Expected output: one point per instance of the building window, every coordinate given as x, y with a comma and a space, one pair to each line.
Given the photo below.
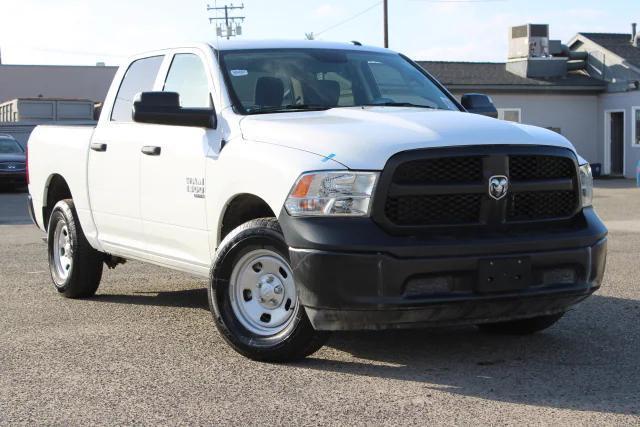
510, 114
636, 126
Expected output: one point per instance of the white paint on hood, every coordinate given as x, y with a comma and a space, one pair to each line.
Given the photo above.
365, 138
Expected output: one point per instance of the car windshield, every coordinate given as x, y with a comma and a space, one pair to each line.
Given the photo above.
285, 80
9, 146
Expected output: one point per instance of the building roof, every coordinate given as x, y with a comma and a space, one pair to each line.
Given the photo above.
617, 43
494, 76
55, 81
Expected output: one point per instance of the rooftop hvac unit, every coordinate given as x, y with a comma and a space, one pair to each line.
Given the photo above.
529, 41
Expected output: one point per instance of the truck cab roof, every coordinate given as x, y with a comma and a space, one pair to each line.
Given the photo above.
289, 44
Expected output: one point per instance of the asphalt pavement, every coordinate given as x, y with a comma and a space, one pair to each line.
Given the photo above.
144, 351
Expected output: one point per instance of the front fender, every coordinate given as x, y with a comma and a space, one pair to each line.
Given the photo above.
264, 170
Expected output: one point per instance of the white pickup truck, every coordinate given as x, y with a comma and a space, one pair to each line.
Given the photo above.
318, 187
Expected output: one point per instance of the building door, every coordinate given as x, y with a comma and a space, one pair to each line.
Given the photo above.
616, 147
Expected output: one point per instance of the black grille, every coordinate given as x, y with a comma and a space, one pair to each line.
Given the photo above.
450, 188
434, 210
534, 206
437, 171
524, 168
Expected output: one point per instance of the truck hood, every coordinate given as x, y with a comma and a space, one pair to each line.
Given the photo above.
18, 157
365, 138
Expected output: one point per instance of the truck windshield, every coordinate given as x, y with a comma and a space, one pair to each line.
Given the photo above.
284, 80
9, 146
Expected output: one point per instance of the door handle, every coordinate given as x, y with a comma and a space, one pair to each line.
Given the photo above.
97, 146
151, 150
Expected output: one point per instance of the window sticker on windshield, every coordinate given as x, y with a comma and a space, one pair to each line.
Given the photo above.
239, 73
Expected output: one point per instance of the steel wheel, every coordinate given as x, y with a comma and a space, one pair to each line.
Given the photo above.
263, 293
62, 251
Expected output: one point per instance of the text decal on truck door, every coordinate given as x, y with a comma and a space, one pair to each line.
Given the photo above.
196, 186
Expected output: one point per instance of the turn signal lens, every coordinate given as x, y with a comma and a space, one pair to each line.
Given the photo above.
302, 186
337, 193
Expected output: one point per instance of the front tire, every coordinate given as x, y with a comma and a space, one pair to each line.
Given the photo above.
253, 297
76, 268
522, 326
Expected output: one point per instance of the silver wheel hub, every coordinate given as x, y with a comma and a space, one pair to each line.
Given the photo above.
270, 291
263, 293
62, 250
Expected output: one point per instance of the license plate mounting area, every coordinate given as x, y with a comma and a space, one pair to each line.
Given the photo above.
504, 274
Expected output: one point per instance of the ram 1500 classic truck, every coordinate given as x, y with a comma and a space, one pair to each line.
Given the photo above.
318, 187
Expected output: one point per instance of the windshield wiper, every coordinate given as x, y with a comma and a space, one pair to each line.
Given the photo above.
290, 107
400, 104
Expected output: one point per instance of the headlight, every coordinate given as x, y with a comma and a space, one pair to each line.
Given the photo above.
332, 193
586, 184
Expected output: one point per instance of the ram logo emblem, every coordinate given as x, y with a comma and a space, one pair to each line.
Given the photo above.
498, 186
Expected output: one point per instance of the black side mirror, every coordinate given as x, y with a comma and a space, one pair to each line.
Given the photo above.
478, 103
164, 108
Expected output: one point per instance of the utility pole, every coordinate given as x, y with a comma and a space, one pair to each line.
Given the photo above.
230, 27
386, 23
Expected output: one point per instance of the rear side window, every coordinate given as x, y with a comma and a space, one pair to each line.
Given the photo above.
140, 77
187, 77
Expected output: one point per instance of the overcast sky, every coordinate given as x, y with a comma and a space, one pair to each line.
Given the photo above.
87, 31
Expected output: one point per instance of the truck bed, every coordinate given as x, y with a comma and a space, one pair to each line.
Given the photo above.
60, 151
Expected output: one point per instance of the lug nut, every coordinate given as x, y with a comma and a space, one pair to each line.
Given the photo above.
270, 279
278, 289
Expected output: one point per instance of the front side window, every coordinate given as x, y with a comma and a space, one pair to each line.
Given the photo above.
277, 80
10, 146
187, 77
140, 77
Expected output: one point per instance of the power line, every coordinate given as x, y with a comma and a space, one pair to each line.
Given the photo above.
386, 15
351, 18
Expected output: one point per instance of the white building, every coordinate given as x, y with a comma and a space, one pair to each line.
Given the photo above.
587, 90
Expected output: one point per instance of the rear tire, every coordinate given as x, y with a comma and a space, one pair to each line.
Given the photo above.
75, 267
522, 326
253, 297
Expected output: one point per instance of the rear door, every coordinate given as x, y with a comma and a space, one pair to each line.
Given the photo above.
173, 179
114, 162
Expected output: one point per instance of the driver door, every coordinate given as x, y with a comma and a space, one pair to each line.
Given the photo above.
172, 176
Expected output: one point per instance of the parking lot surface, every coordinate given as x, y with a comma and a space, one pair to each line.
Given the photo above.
144, 351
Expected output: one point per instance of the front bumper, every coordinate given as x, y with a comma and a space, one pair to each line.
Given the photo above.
351, 275
15, 178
